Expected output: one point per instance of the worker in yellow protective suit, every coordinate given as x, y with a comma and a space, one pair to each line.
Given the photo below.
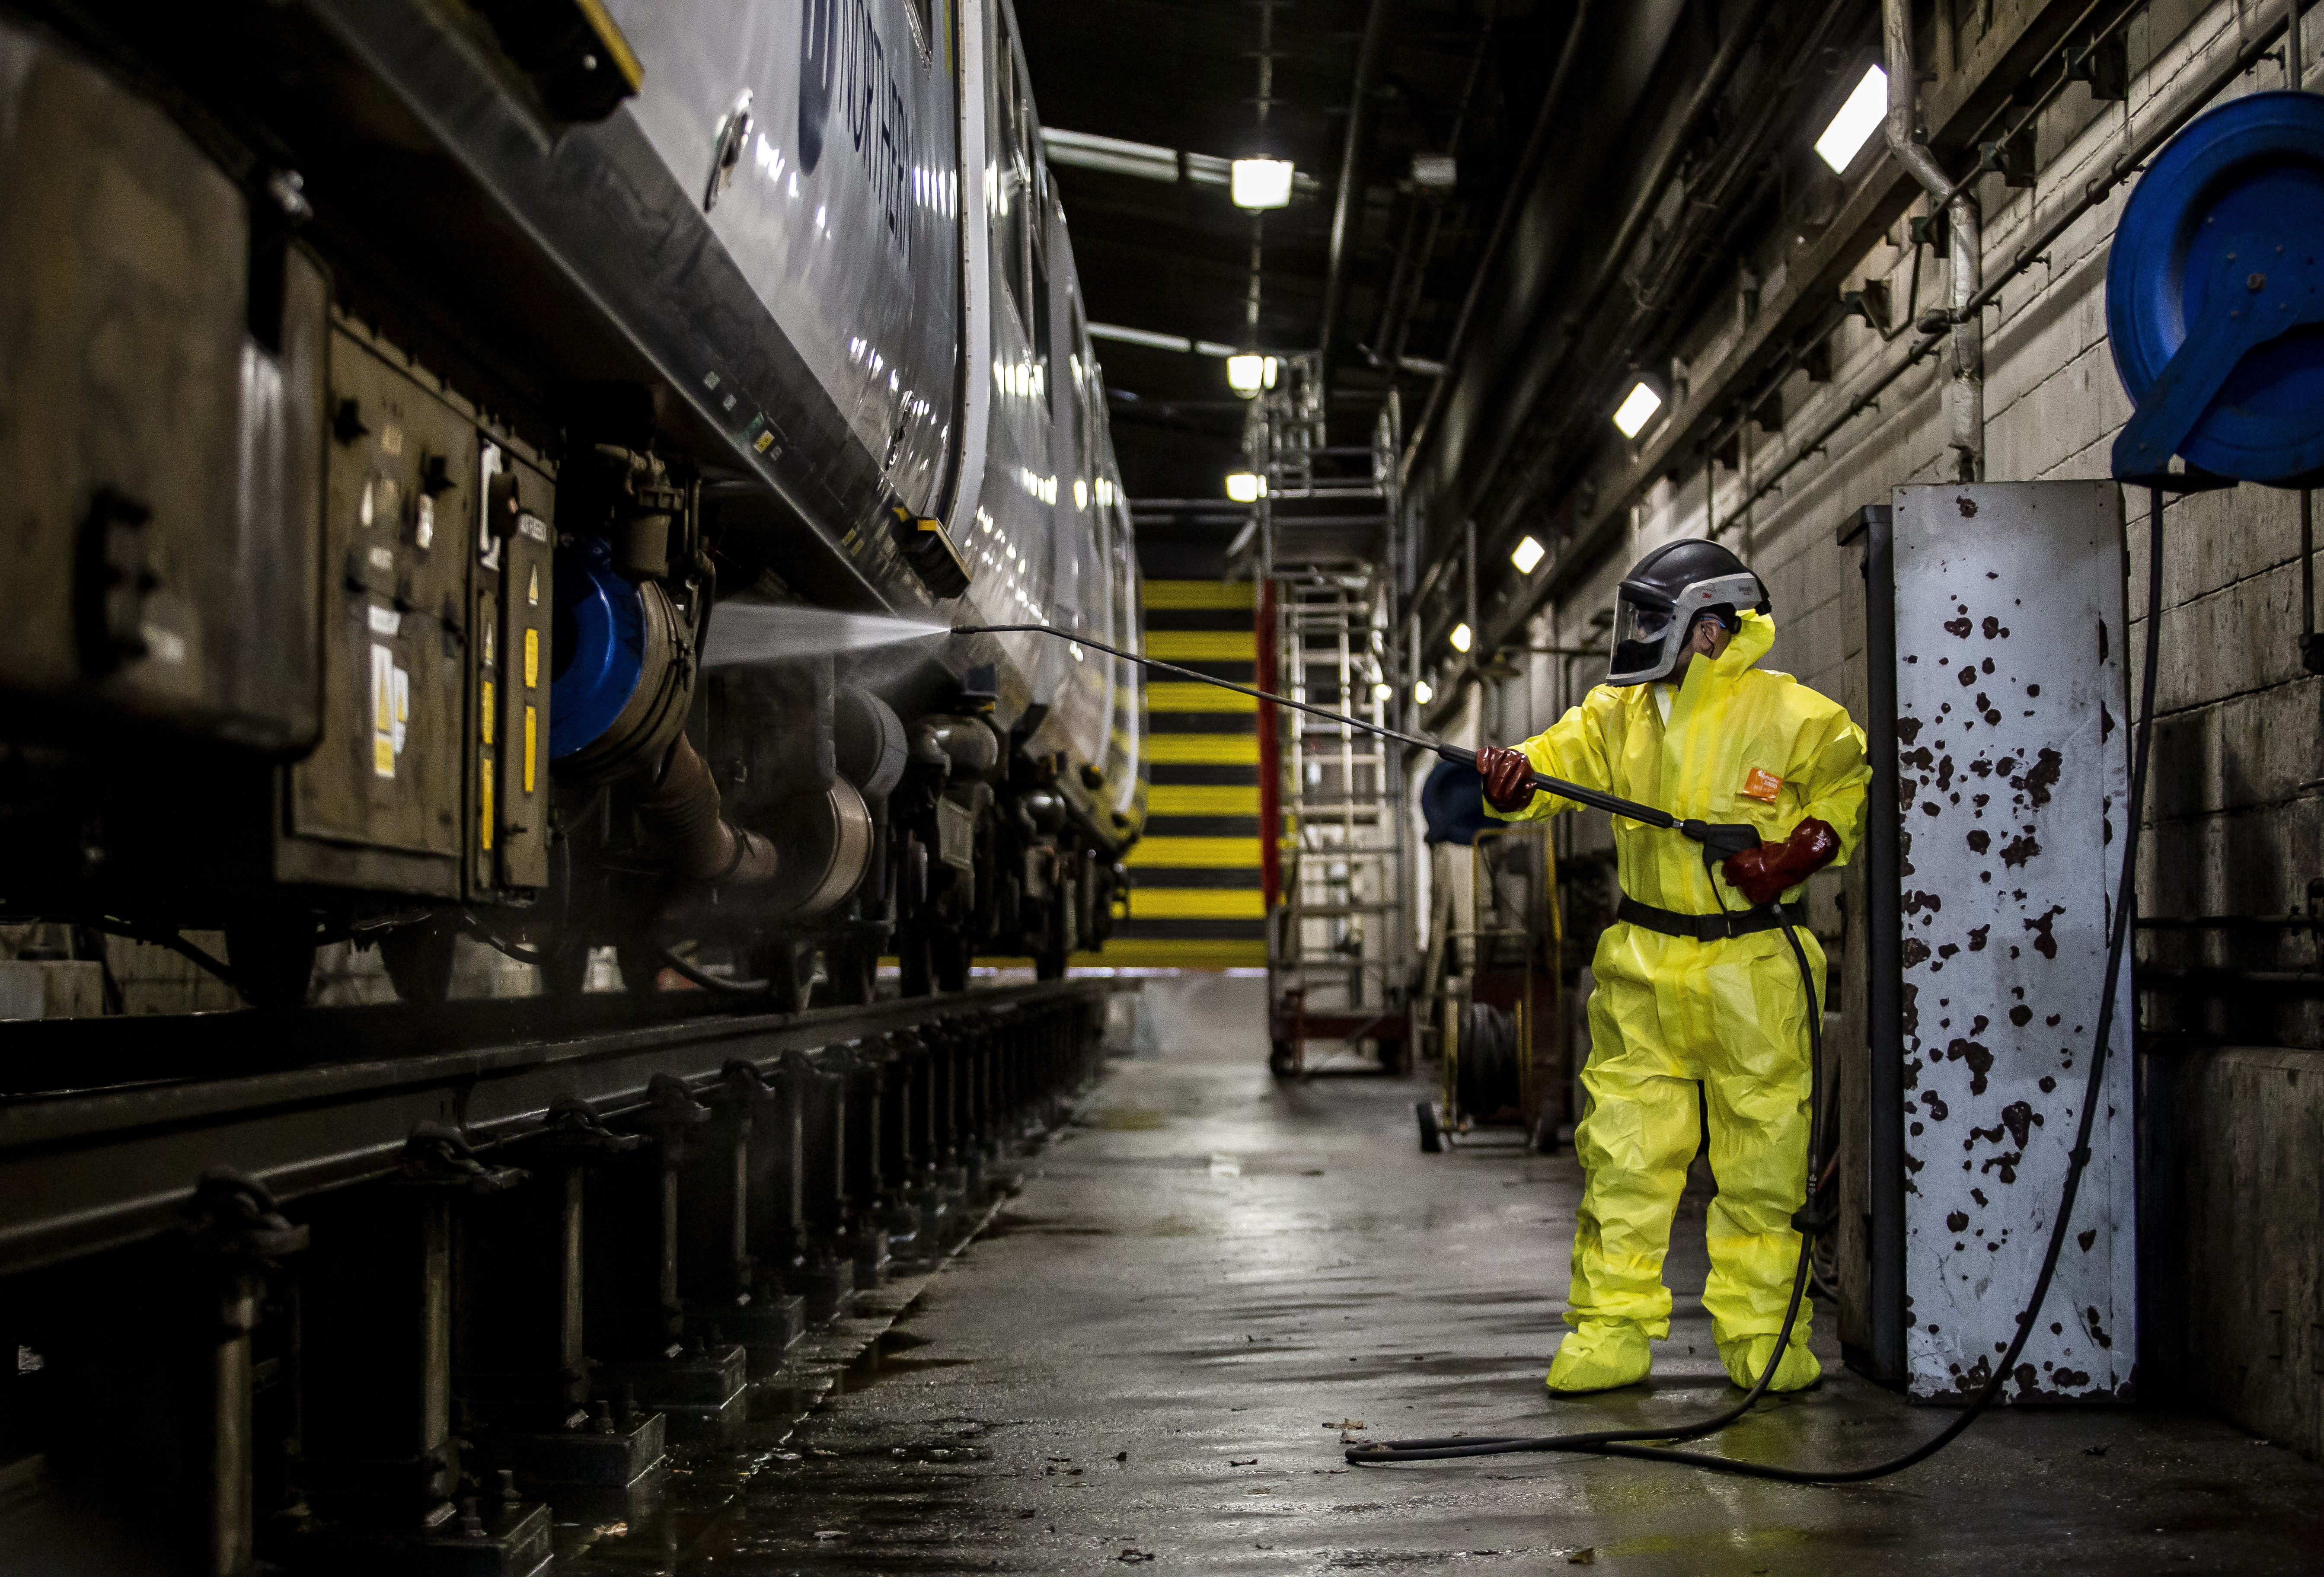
1696, 985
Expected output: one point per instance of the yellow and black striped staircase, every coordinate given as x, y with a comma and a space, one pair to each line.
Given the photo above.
1195, 899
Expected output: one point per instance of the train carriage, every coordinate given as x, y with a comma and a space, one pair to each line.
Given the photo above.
421, 411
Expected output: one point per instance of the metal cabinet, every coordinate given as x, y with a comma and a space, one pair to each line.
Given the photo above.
431, 776
158, 566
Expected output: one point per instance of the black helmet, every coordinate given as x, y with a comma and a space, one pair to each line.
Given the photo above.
1657, 604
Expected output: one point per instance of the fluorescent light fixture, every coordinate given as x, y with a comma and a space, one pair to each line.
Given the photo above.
1249, 372
1421, 693
1246, 486
1527, 554
1153, 341
1261, 184
1857, 119
1085, 151
1145, 336
1637, 409
1112, 154
1461, 638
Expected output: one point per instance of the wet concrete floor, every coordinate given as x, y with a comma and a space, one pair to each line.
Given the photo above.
1211, 1278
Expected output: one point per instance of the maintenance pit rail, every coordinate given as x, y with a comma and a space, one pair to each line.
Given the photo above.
83, 1171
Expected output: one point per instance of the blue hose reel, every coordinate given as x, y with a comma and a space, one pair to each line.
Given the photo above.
2215, 298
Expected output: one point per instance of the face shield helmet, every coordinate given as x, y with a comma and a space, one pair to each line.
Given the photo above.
1659, 602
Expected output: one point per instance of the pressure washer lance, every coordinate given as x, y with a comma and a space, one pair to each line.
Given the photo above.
1718, 840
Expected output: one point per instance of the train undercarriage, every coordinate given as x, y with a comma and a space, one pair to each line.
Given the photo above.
370, 593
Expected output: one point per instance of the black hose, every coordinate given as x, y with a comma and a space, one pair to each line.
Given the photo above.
1623, 1443
537, 957
708, 982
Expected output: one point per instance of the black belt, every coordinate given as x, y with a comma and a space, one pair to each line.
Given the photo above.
1709, 927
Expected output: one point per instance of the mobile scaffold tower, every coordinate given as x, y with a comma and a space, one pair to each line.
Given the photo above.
1337, 873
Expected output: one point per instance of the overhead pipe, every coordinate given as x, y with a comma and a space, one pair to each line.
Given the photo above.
1520, 183
1376, 26
1707, 90
2192, 96
1552, 435
1965, 391
1396, 315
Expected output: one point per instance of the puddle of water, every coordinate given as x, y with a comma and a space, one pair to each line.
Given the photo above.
1129, 1120
1036, 1226
885, 1360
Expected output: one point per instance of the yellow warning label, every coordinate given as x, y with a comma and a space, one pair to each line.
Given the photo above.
485, 820
530, 723
382, 688
487, 727
532, 588
531, 658
384, 725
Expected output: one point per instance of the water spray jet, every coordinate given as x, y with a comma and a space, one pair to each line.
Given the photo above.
752, 632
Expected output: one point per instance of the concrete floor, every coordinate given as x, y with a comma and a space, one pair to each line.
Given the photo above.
1154, 1356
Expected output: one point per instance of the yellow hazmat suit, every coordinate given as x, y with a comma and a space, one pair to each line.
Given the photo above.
1743, 744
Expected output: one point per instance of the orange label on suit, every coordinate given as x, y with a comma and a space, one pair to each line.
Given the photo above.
1762, 784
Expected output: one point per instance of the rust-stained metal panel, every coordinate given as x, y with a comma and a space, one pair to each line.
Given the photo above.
2012, 773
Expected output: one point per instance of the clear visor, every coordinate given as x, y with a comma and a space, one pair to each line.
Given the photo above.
1647, 636
1645, 626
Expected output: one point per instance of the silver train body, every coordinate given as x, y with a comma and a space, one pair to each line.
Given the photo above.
401, 400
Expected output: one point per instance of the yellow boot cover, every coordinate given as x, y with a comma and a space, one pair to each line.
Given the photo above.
1599, 1356
1745, 1359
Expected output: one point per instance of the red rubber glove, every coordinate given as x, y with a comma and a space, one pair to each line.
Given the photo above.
1762, 873
1508, 776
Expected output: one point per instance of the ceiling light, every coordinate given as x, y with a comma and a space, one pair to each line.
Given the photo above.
1249, 372
1528, 553
1460, 638
1857, 119
1261, 184
1382, 691
1421, 693
1434, 172
1637, 409
1246, 486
